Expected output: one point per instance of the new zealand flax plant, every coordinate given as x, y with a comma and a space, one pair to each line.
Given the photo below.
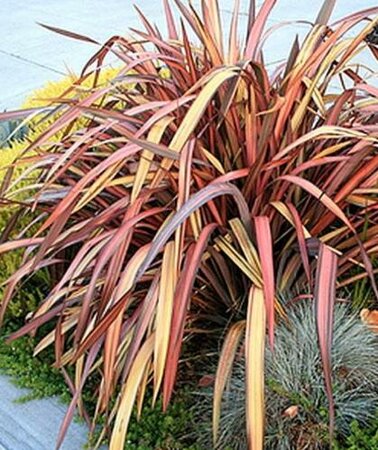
191, 199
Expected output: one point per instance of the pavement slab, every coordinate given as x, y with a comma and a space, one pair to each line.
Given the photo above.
31, 55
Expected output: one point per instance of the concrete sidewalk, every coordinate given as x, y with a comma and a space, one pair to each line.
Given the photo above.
34, 425
31, 55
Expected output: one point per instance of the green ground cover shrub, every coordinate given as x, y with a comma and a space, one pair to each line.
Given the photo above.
360, 437
34, 373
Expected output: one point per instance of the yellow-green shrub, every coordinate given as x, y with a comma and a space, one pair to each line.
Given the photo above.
25, 300
53, 90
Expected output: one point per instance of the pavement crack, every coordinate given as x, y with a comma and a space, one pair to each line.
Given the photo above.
29, 61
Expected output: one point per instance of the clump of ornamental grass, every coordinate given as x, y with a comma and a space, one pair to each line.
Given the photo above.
187, 191
296, 402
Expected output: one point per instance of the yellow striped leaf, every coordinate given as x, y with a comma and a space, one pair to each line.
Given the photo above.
254, 358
